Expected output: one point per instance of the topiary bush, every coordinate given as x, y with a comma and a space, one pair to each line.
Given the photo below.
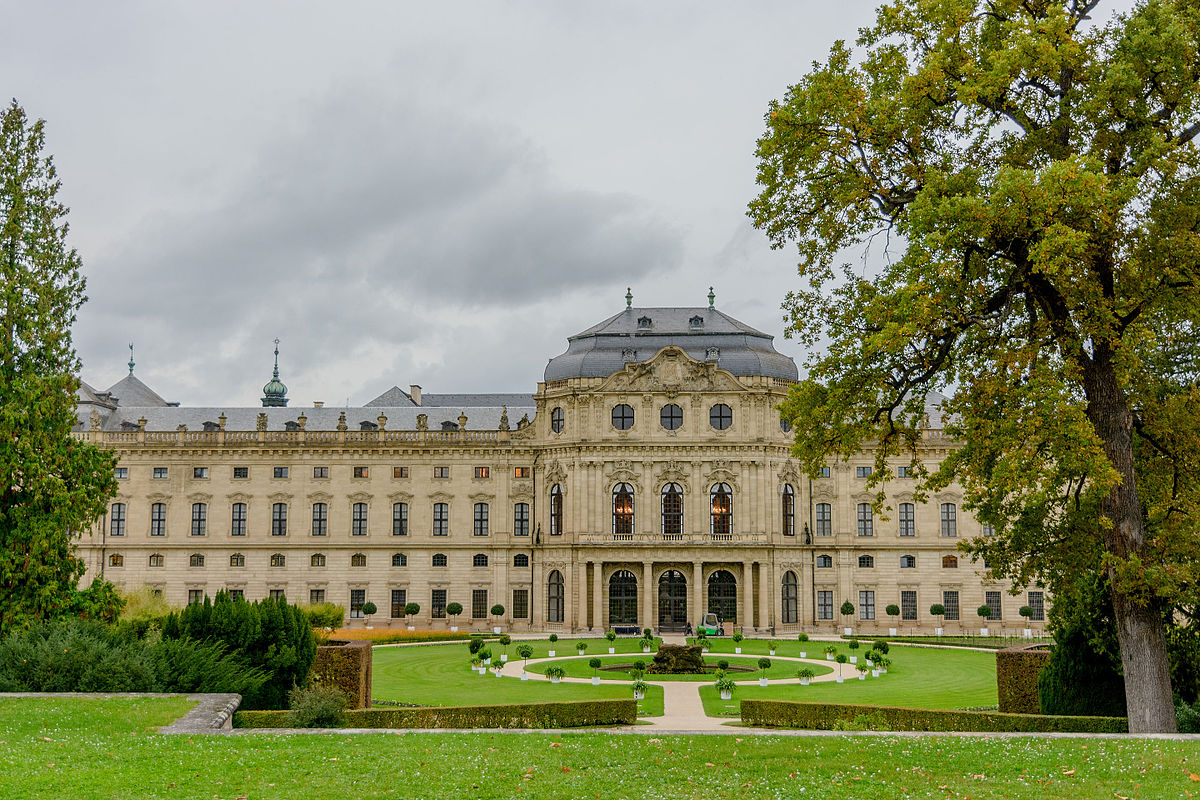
1017, 670
317, 706
1077, 680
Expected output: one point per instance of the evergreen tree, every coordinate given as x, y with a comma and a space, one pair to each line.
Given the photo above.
51, 485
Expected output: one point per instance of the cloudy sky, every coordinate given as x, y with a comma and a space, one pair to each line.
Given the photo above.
432, 193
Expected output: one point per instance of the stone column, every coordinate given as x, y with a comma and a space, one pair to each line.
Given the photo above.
696, 612
537, 596
747, 615
581, 587
648, 620
766, 593
598, 597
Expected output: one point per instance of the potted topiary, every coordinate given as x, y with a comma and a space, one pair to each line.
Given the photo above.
486, 655
1027, 613
830, 652
937, 609
553, 639
841, 659
580, 647
862, 671
639, 689
805, 674
497, 611
647, 643
476, 663
702, 640
639, 668
725, 686
368, 608
764, 664
984, 611
723, 664
499, 665
771, 647
505, 641
612, 637
555, 673
883, 662
595, 663
737, 641
892, 610
524, 651
411, 610
475, 644
647, 633
803, 637
853, 646
847, 610
453, 610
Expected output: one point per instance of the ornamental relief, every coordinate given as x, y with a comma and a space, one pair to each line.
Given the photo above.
199, 498
400, 497
723, 472
482, 497
789, 474
671, 370
440, 497
622, 472
319, 497
555, 472
673, 472
238, 497
360, 497
521, 489
279, 497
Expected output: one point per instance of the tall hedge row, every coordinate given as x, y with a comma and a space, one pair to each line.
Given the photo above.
566, 714
347, 667
1017, 670
829, 716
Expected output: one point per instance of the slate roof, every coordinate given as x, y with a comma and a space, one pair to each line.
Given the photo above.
599, 351
129, 391
169, 418
396, 397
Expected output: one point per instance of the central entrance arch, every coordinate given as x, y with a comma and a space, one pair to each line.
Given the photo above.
672, 602
722, 595
622, 598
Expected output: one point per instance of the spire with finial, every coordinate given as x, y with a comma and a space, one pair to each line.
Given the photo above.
275, 393
712, 298
629, 297
131, 358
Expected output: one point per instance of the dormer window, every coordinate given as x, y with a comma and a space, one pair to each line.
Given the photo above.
367, 425
712, 354
628, 355
696, 321
644, 323
449, 426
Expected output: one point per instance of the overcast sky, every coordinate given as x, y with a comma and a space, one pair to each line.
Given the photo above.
433, 193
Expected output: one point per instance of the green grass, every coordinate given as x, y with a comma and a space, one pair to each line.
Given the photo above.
989, 642
578, 668
98, 749
440, 675
918, 678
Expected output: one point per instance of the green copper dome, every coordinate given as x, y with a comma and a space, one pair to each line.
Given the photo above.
275, 393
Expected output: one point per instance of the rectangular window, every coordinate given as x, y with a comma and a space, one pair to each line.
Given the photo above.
160, 472
195, 596
521, 472
824, 519
862, 472
237, 594
908, 605
241, 473
824, 605
950, 601
988, 531
441, 472
316, 596
399, 519
362, 472
1037, 602
908, 520
276, 594
481, 519
237, 525
320, 472
279, 519
158, 519
320, 519
949, 519
866, 605
437, 604
992, 601
357, 598
116, 526
866, 520
903, 472
358, 522
521, 519
199, 473
520, 604
824, 472
483, 472
399, 472
199, 519
280, 472
441, 519
479, 604
398, 601
122, 473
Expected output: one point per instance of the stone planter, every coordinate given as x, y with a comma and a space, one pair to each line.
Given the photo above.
771, 652
938, 631
578, 652
555, 679
552, 654
1029, 633
803, 654
524, 676
645, 649
853, 659
497, 673
829, 656
454, 629
726, 694
737, 650
496, 629
612, 650
595, 680
487, 662
504, 658
891, 631
983, 631
848, 631
412, 627
762, 681
862, 676
805, 681
840, 679
638, 695
874, 673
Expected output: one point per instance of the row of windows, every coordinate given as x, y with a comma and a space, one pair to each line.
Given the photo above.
320, 519
242, 473
720, 508
908, 605
825, 561
865, 518
670, 417
315, 560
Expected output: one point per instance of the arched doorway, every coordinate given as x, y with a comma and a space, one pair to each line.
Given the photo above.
622, 598
672, 602
722, 595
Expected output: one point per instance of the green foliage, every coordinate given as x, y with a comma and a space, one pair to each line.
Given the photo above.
853, 644
611, 636
555, 671
524, 651
497, 610
881, 645
1187, 716
412, 609
453, 609
580, 646
101, 602
594, 663
475, 644
764, 664
847, 608
1077, 680
50, 483
325, 615
863, 722
827, 716
553, 638
316, 706
346, 668
724, 682
737, 636
937, 609
803, 637
806, 672
892, 610
723, 663
1017, 672
984, 611
566, 714
1026, 612
369, 608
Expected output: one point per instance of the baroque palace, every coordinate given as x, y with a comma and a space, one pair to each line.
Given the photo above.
646, 482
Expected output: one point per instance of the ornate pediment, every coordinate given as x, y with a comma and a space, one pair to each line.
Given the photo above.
723, 472
319, 497
789, 474
360, 497
482, 497
199, 498
441, 497
400, 497
521, 489
671, 370
238, 497
622, 472
823, 491
280, 497
674, 472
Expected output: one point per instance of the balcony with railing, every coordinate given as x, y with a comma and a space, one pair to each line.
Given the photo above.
676, 539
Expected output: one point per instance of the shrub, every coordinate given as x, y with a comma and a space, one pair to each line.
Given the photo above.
611, 636
853, 645
454, 609
475, 644
862, 722
737, 636
505, 640
725, 683
566, 714
524, 652
647, 634
984, 612
723, 663
101, 602
346, 667
824, 716
369, 608
412, 609
847, 608
802, 637
553, 638
764, 664
317, 706
325, 615
497, 610
639, 665
892, 610
1187, 717
881, 646
937, 609
594, 663
185, 665
555, 671
581, 646
1079, 681
1017, 671
806, 672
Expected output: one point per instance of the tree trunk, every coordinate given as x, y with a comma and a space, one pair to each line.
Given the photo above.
1139, 628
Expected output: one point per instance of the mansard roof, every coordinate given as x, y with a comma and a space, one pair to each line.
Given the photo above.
396, 397
129, 391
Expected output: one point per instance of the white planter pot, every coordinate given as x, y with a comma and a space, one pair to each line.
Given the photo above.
840, 679
552, 654
882, 671
804, 654
737, 650
524, 676
497, 673
891, 631
645, 649
370, 627
726, 694
1029, 633
612, 650
983, 631
454, 629
639, 695
938, 631
504, 658
853, 659
868, 662
829, 656
412, 627
848, 631
771, 652
487, 662
555, 679
496, 629
862, 676
578, 652
474, 668
874, 673
595, 680
762, 681
805, 681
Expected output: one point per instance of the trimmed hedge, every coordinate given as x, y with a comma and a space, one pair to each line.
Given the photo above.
827, 716
345, 666
566, 714
1017, 670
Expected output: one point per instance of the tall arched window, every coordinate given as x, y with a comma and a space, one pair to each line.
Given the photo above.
623, 508
908, 525
555, 597
791, 599
399, 519
722, 595
672, 509
441, 519
622, 598
789, 510
158, 519
556, 510
721, 498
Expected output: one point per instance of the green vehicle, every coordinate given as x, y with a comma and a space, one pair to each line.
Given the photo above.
709, 626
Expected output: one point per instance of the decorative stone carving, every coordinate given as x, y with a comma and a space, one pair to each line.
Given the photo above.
261, 423
673, 472
504, 418
723, 472
521, 489
94, 420
422, 422
555, 473
462, 421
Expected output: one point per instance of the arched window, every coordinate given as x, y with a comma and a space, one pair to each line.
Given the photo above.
358, 560
789, 510
279, 519
623, 508
480, 560
439, 559
481, 519
520, 560
317, 560
672, 509
555, 597
399, 560
358, 524
866, 520
399, 519
237, 560
720, 416
791, 599
908, 517
824, 561
908, 562
196, 560
278, 560
866, 562
199, 519
622, 416
622, 598
950, 562
116, 560
521, 519
671, 417
556, 510
116, 526
721, 499
158, 519
556, 420
441, 519
156, 559
722, 595
949, 519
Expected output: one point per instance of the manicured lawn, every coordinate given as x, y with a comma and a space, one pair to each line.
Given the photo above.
578, 668
440, 675
95, 749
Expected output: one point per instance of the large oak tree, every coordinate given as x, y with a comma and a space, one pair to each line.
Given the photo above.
1025, 182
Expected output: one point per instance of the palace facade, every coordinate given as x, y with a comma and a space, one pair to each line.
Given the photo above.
646, 481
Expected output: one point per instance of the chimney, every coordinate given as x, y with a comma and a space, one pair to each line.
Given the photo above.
414, 392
